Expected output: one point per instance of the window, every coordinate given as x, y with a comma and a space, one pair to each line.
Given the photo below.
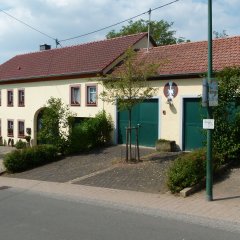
92, 95
75, 95
10, 128
0, 98
21, 128
0, 127
10, 98
21, 98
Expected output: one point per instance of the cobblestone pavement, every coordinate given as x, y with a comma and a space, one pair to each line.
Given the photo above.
227, 188
146, 176
73, 167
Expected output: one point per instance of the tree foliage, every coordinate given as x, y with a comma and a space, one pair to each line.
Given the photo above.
222, 34
128, 84
226, 135
56, 122
159, 30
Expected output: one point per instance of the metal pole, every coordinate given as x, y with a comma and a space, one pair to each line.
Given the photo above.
149, 22
209, 177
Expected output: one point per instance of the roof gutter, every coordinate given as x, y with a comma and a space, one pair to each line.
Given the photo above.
51, 77
177, 76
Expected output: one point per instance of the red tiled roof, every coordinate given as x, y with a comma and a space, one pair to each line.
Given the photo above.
188, 58
87, 58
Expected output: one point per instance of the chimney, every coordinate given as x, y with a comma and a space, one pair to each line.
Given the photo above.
45, 47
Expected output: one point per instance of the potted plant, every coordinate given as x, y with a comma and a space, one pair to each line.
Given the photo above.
163, 145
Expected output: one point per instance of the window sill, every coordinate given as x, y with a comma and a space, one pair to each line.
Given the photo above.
75, 104
21, 136
91, 105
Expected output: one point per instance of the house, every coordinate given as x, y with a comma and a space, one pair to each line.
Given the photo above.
27, 81
175, 113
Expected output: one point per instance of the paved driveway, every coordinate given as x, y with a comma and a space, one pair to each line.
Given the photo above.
106, 168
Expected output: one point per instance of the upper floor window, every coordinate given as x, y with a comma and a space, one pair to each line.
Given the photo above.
21, 129
10, 128
10, 98
75, 95
92, 95
21, 98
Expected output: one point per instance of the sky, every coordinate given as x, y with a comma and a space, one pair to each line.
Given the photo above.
63, 19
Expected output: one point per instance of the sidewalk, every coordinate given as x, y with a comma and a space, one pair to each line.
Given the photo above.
221, 214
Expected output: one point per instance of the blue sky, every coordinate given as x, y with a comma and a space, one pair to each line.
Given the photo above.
62, 19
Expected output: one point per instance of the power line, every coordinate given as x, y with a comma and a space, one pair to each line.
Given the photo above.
33, 28
113, 25
58, 42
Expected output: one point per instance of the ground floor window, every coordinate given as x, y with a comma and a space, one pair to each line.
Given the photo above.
10, 125
21, 128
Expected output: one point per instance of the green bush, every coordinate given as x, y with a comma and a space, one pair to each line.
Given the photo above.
27, 158
187, 170
20, 144
91, 133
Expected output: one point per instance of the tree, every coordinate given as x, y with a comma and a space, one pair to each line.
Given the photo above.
222, 34
127, 85
226, 135
56, 122
159, 30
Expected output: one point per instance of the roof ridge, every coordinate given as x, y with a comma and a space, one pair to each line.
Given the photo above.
188, 43
82, 44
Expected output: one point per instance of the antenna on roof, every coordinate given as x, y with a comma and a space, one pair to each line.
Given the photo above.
57, 42
149, 21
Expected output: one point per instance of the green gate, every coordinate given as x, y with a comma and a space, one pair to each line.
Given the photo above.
193, 133
144, 115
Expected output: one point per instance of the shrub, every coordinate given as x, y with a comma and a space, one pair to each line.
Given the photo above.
91, 133
20, 144
187, 170
27, 158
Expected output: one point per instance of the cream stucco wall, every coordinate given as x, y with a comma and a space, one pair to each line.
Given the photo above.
171, 117
37, 94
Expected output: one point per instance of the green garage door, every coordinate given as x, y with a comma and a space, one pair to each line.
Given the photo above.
146, 115
193, 135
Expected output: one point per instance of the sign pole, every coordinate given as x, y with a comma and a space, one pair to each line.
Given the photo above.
209, 177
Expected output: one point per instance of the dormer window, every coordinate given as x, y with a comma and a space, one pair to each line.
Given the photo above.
21, 98
10, 98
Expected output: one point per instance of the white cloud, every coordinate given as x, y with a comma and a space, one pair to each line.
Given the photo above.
66, 18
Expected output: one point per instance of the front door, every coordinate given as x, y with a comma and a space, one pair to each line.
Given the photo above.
193, 133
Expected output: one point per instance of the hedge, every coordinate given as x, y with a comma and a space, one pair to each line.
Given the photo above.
27, 158
187, 170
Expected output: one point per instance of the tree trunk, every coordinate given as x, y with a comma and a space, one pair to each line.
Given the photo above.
130, 132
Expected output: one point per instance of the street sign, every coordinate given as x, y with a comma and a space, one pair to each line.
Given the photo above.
213, 93
208, 123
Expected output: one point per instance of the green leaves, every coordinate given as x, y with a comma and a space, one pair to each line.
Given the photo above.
160, 31
226, 140
128, 83
56, 122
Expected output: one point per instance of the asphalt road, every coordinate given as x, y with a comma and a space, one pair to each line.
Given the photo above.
27, 215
